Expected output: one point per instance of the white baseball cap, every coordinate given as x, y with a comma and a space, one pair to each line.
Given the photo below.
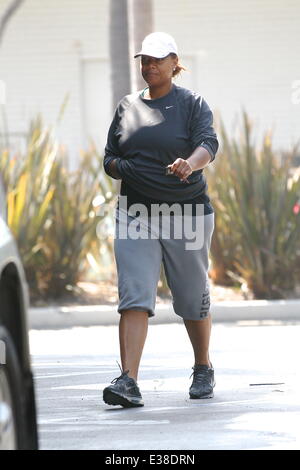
158, 45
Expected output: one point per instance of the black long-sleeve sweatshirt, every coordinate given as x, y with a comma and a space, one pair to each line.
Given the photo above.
147, 135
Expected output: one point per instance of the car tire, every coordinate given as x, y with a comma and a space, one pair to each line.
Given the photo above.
12, 397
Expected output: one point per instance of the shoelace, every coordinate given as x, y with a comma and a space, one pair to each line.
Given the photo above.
199, 374
125, 372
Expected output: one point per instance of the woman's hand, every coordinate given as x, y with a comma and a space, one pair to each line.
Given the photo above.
181, 168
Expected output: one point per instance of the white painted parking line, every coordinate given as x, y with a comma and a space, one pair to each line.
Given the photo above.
69, 374
204, 402
106, 422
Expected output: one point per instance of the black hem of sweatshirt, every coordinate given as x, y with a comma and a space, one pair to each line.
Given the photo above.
134, 197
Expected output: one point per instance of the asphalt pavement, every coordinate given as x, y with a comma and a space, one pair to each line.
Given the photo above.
256, 403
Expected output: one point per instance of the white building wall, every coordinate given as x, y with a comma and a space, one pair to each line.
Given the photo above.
247, 54
239, 54
41, 61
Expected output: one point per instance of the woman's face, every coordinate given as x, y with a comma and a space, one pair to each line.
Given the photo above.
157, 72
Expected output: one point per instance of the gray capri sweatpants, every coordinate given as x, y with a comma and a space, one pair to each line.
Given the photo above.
142, 244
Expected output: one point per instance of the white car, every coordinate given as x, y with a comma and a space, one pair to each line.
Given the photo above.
18, 426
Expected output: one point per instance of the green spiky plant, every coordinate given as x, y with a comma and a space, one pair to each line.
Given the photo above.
54, 213
257, 236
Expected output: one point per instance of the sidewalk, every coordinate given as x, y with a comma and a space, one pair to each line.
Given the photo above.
54, 317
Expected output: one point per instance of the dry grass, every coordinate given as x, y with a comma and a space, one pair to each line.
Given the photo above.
106, 293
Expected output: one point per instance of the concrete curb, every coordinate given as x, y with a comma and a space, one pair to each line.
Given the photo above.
93, 315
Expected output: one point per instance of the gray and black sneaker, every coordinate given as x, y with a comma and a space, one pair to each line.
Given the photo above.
124, 391
203, 382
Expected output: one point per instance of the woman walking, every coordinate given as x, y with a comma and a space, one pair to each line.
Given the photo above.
158, 143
